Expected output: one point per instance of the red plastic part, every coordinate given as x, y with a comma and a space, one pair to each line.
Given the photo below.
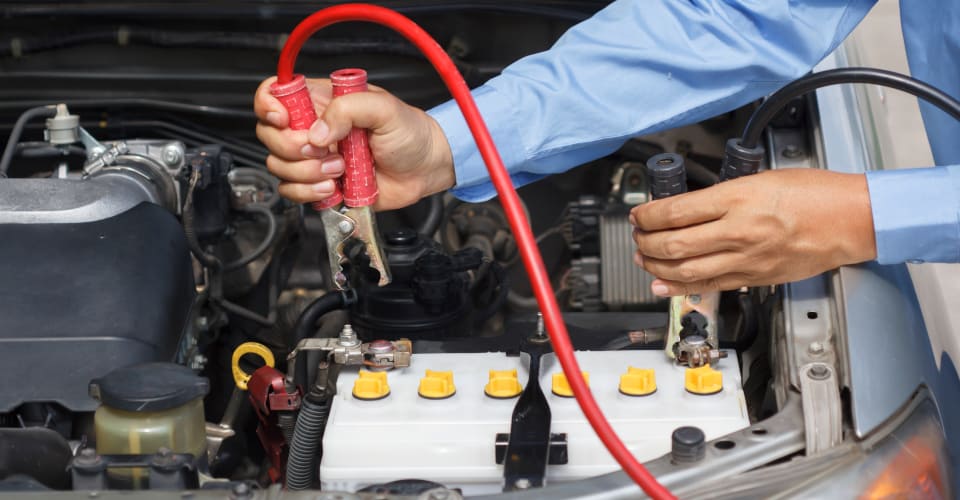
516, 215
268, 394
295, 97
359, 179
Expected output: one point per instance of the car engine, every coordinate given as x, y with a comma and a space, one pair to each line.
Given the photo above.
169, 322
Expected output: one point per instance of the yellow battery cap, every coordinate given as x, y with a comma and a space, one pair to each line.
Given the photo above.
437, 385
703, 381
503, 384
638, 382
561, 386
371, 386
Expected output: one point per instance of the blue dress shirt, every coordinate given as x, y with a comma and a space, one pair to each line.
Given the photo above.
638, 67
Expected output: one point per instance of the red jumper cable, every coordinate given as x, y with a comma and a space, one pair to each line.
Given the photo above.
291, 90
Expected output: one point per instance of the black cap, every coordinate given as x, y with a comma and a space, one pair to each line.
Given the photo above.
667, 175
739, 160
149, 387
689, 445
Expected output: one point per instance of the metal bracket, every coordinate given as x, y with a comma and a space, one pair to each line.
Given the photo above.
557, 455
822, 415
166, 470
808, 339
382, 354
527, 451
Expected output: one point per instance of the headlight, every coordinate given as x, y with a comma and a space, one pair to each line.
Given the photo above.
911, 462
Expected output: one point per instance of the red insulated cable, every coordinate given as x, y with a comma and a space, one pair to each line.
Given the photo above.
508, 198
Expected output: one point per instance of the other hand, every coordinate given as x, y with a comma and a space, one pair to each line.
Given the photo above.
769, 228
410, 151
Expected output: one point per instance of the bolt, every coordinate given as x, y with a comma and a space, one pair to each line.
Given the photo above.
241, 489
348, 337
522, 483
819, 371
792, 151
172, 154
815, 348
381, 347
541, 329
345, 226
693, 299
198, 362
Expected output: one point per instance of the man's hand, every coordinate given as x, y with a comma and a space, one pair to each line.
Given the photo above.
411, 153
769, 228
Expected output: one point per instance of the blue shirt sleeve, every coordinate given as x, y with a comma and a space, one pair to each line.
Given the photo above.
635, 68
916, 214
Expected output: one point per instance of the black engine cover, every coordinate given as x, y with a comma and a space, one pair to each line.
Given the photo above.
78, 300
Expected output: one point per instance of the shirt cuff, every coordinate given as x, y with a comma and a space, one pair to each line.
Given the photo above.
473, 180
916, 214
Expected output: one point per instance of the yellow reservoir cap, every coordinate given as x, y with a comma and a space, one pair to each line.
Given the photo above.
437, 385
638, 382
370, 386
561, 386
703, 381
503, 384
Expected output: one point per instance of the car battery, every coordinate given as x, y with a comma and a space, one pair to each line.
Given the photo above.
449, 435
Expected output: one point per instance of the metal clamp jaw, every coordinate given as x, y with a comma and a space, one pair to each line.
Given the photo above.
360, 223
692, 334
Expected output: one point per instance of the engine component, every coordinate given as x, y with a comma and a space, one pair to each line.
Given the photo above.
458, 447
212, 194
150, 407
62, 128
99, 278
35, 452
154, 163
274, 400
164, 470
429, 297
603, 274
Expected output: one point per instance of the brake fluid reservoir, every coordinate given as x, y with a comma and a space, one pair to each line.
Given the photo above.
150, 406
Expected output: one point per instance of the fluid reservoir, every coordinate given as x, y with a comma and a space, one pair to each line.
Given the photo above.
150, 406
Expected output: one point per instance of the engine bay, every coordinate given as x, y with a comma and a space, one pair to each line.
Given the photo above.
170, 322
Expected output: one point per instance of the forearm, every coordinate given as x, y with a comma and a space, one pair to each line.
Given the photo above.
635, 68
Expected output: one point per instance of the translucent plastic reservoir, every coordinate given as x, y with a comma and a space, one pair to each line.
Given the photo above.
179, 429
148, 407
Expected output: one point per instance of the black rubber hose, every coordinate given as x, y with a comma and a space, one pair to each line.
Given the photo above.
307, 434
135, 102
265, 245
25, 117
434, 216
770, 107
244, 313
307, 321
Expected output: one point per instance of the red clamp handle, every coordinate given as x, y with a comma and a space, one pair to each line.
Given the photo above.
358, 185
359, 179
